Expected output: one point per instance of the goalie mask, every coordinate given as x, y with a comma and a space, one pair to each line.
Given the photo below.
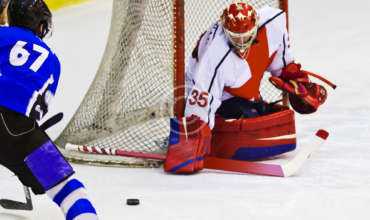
240, 24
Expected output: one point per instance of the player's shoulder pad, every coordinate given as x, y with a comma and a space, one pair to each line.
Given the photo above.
217, 44
270, 15
15, 33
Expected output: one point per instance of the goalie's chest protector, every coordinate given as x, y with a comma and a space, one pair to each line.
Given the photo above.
258, 60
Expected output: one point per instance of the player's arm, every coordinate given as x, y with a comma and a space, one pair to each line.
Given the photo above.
287, 75
41, 99
55, 70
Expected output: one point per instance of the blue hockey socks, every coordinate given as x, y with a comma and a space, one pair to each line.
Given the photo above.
70, 195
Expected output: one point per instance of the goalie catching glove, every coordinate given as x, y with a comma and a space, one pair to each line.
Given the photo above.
305, 97
190, 141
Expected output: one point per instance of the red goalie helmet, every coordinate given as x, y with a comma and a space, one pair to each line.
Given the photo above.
240, 23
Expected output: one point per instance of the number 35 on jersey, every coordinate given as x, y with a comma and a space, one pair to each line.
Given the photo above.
198, 98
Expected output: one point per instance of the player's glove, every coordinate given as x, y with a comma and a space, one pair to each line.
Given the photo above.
304, 96
190, 141
291, 80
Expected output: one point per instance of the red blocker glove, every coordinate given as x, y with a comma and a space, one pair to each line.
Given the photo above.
190, 141
305, 97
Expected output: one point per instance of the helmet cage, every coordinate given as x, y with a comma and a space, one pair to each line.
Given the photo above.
241, 41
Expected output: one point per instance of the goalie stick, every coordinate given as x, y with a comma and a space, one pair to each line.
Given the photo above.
27, 206
286, 169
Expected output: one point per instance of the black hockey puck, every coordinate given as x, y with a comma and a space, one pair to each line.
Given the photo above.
132, 201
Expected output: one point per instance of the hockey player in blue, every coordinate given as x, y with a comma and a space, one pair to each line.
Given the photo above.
29, 74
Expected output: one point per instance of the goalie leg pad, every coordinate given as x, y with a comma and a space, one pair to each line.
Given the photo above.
48, 165
254, 138
256, 153
189, 143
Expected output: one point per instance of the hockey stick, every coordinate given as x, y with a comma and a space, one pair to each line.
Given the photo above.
16, 205
114, 152
286, 169
52, 121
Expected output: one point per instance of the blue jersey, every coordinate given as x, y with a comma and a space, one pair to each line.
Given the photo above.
29, 72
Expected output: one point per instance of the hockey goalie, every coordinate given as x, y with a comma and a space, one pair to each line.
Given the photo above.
225, 115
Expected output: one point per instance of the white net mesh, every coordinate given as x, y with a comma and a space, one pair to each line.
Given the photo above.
130, 101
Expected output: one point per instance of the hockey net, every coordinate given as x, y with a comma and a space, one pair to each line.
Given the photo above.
139, 84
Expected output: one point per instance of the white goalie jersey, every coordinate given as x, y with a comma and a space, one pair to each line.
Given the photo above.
215, 72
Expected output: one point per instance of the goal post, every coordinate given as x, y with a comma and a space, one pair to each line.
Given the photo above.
140, 81
179, 55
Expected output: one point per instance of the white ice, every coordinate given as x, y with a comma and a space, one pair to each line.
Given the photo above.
330, 37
